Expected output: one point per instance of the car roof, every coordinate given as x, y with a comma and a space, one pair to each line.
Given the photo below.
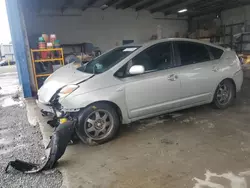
173, 39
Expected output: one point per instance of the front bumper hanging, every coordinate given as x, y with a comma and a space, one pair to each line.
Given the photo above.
54, 151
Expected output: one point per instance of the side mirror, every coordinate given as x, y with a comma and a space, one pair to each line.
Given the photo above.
136, 69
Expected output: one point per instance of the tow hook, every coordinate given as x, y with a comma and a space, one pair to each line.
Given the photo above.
54, 151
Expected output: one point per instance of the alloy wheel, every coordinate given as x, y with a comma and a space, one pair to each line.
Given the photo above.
223, 94
98, 124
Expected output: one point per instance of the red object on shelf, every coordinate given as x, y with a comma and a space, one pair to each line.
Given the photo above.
42, 45
44, 55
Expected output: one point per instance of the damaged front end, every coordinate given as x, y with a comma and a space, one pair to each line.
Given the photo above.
59, 113
54, 151
64, 121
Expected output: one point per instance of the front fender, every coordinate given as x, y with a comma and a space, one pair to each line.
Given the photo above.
114, 94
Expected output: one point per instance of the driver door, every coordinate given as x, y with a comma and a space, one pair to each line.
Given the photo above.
158, 89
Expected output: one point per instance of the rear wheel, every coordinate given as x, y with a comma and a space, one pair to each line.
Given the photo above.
224, 94
98, 124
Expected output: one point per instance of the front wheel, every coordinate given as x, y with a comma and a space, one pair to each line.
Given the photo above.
224, 94
98, 123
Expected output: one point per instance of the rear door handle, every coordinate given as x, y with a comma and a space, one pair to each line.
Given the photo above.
172, 77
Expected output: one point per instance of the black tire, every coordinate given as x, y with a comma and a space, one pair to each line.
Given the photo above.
228, 101
82, 121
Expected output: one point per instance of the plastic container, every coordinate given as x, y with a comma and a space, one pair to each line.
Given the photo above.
52, 38
42, 45
41, 39
57, 44
45, 37
50, 46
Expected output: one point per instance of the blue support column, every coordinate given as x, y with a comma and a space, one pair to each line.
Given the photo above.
18, 41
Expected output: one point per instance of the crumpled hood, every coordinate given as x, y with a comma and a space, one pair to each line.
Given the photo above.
60, 78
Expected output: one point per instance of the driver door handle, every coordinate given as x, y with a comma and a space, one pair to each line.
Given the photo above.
172, 77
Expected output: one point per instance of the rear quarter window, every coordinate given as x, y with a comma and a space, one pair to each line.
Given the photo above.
216, 52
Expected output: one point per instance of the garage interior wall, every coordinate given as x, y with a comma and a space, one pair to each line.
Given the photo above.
236, 15
231, 16
105, 29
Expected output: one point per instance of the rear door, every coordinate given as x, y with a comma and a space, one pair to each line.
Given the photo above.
198, 72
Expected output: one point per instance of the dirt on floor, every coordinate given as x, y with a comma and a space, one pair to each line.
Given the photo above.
197, 147
19, 139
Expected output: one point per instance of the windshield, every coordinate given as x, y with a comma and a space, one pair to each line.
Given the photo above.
107, 60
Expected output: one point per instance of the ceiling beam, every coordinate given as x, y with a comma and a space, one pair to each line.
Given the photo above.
198, 3
146, 4
203, 6
110, 2
178, 6
127, 3
66, 5
209, 4
224, 6
120, 4
165, 6
88, 4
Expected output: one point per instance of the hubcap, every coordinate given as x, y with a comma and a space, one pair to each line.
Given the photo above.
223, 94
98, 124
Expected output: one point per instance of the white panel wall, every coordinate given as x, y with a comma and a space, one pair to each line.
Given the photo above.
104, 29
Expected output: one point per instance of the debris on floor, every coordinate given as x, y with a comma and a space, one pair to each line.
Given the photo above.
211, 125
167, 141
188, 120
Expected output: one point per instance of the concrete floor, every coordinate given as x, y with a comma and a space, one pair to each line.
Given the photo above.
202, 147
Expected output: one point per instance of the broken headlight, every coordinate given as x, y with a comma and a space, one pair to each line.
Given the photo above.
67, 90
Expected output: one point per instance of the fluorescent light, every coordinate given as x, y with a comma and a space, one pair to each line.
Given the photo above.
182, 10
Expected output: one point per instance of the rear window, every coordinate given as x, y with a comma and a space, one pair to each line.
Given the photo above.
191, 52
216, 52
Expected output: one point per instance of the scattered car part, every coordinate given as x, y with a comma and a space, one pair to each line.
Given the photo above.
54, 151
44, 113
54, 122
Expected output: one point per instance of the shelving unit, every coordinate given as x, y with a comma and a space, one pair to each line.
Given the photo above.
243, 45
225, 35
35, 53
228, 32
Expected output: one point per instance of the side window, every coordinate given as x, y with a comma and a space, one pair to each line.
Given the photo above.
157, 57
154, 58
191, 52
216, 52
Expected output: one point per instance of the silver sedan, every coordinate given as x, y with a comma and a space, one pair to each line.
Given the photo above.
133, 82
